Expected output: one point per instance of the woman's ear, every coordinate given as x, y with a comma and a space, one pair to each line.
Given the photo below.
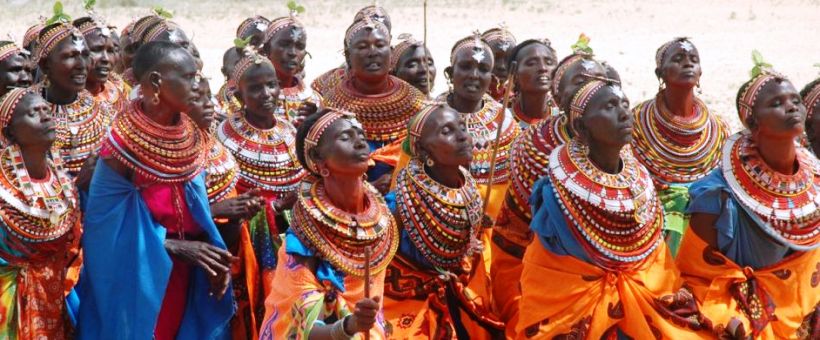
155, 78
658, 73
448, 73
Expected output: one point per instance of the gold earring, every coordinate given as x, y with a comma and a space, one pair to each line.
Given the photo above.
324, 172
430, 162
155, 100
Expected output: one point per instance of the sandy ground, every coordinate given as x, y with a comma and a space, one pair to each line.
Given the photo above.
625, 33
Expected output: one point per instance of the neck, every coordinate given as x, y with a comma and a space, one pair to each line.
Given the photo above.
58, 96
449, 176
680, 101
534, 104
779, 154
371, 88
606, 158
159, 113
463, 105
35, 160
285, 80
263, 122
94, 86
346, 192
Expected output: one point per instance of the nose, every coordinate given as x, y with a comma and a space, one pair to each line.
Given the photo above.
105, 57
792, 107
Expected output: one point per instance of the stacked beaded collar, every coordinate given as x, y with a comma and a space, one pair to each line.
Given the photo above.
221, 172
617, 218
340, 237
674, 149
162, 154
384, 116
442, 222
35, 210
785, 207
267, 158
482, 126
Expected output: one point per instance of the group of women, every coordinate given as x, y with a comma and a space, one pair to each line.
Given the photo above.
529, 200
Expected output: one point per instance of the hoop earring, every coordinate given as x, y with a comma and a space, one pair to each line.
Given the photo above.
324, 172
364, 177
430, 162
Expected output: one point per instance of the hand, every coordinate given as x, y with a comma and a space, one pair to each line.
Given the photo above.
383, 183
306, 109
83, 180
364, 315
219, 284
285, 203
213, 260
243, 206
734, 330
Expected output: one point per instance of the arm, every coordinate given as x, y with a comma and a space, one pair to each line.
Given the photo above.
704, 225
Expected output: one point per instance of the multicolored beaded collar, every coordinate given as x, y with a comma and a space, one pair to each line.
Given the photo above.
221, 172
340, 237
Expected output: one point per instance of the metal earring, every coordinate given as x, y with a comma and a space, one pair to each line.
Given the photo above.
155, 100
430, 162
698, 87
324, 172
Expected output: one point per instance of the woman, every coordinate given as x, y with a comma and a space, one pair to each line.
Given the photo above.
262, 143
753, 250
811, 97
15, 67
285, 42
501, 42
676, 137
30, 37
319, 290
103, 83
436, 287
598, 267
40, 227
531, 63
225, 96
81, 119
133, 43
381, 102
148, 207
412, 62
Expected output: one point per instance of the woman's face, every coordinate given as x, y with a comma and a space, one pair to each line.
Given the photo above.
500, 50
343, 149
15, 71
813, 130
286, 51
607, 120
259, 90
471, 72
31, 124
178, 80
202, 111
681, 65
535, 64
575, 77
412, 69
102, 56
445, 139
67, 65
778, 111
368, 55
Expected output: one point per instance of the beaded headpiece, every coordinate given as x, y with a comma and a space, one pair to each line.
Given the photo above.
32, 33
374, 12
407, 41
762, 73
8, 103
414, 128
316, 131
474, 43
811, 100
141, 26
279, 24
57, 29
9, 50
502, 35
583, 96
250, 57
580, 51
159, 28
661, 52
366, 23
257, 22
96, 21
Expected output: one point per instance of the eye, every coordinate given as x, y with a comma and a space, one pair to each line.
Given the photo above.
445, 130
777, 103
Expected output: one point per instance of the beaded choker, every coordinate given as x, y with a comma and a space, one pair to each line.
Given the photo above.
525, 120
221, 172
786, 207
482, 126
35, 210
530, 157
267, 158
616, 218
442, 222
383, 116
163, 154
674, 149
340, 237
81, 128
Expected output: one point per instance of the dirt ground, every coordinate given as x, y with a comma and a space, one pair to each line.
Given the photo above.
625, 33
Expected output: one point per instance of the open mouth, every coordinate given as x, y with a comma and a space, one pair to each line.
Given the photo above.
374, 66
79, 79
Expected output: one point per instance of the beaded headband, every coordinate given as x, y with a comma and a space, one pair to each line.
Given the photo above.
407, 41
661, 52
8, 103
93, 24
51, 38
474, 42
563, 67
502, 35
31, 34
249, 58
762, 73
159, 28
375, 12
257, 21
279, 24
316, 131
9, 50
415, 126
583, 96
812, 98
365, 23
142, 25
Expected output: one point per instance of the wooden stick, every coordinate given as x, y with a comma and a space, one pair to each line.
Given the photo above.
507, 93
367, 281
424, 42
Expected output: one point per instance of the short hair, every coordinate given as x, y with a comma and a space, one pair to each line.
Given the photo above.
301, 136
149, 56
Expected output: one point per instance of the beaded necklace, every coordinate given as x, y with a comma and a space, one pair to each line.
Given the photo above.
291, 99
113, 96
221, 172
482, 126
530, 159
340, 237
267, 158
227, 100
81, 128
384, 116
35, 210
442, 222
617, 218
162, 154
327, 81
526, 121
675, 149
786, 207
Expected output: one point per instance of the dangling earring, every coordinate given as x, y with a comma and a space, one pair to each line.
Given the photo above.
324, 172
661, 84
155, 100
698, 87
449, 83
430, 162
364, 177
